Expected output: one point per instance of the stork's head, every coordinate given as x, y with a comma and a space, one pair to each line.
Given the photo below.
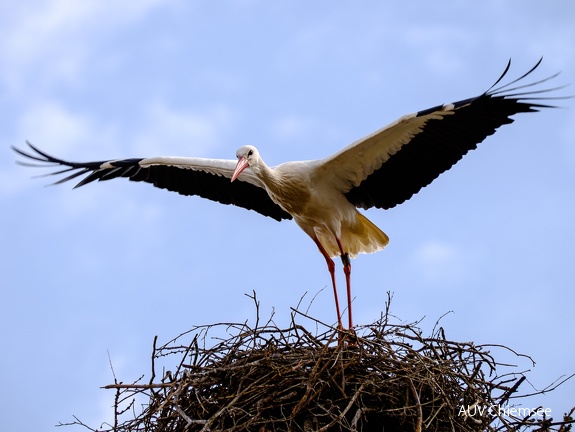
247, 156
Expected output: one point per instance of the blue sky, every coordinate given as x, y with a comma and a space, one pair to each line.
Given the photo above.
104, 268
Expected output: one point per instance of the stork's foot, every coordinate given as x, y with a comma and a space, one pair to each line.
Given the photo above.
347, 337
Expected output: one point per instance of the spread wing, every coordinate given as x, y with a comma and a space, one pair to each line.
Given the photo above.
389, 166
207, 178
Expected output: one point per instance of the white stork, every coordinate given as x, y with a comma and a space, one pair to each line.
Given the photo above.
380, 170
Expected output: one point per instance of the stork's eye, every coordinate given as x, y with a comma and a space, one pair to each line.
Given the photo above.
251, 152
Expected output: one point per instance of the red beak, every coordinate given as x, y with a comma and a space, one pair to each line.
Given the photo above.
242, 165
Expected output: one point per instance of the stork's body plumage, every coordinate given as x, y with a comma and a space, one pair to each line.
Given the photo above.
302, 190
380, 170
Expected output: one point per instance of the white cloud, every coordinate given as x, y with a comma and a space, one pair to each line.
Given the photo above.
43, 25
65, 133
306, 45
287, 127
438, 261
57, 127
293, 134
63, 31
437, 38
58, 131
184, 132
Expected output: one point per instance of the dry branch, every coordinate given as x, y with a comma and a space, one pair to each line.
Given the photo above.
265, 378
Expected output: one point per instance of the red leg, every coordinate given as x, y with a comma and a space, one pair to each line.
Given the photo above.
331, 268
347, 270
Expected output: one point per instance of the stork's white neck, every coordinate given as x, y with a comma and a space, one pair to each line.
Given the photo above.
266, 174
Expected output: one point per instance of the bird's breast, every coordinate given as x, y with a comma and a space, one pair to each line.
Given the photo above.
289, 187
293, 197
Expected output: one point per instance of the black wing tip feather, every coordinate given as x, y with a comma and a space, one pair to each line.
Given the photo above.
36, 155
508, 92
77, 169
526, 99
